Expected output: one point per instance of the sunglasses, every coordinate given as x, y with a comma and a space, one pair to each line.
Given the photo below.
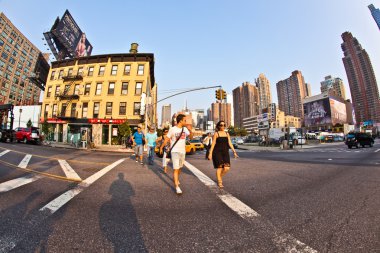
222, 125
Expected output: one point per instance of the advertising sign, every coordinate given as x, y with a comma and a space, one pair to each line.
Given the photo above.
317, 112
338, 112
262, 117
71, 36
275, 133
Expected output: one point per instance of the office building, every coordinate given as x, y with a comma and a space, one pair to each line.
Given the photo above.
166, 115
291, 93
95, 94
246, 102
375, 14
230, 100
23, 68
361, 79
308, 90
334, 86
221, 111
265, 97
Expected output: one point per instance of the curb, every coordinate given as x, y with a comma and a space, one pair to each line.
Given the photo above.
91, 150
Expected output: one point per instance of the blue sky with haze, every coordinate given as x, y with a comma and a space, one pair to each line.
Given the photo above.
215, 42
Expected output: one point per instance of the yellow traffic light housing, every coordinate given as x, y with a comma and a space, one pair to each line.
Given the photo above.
224, 94
217, 94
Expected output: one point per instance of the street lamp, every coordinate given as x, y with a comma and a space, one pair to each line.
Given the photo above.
19, 117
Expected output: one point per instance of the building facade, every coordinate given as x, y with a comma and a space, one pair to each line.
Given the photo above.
375, 14
291, 93
265, 97
246, 102
361, 79
221, 111
333, 85
166, 115
308, 90
87, 98
23, 68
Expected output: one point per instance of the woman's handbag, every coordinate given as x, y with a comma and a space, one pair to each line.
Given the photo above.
168, 153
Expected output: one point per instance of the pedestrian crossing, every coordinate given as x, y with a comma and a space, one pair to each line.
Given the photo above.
338, 150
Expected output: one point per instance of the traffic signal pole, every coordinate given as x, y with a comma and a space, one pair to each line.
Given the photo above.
195, 89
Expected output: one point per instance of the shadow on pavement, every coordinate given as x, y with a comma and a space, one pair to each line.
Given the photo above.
118, 219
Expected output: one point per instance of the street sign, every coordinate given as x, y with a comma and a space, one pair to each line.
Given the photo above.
262, 117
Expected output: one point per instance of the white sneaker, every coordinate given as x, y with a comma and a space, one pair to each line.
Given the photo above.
178, 190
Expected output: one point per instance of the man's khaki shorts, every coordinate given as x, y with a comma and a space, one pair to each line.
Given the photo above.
178, 159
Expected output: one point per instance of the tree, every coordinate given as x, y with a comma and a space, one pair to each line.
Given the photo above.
29, 124
243, 132
45, 127
125, 129
231, 130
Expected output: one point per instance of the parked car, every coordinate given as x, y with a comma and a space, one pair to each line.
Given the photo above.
356, 139
198, 144
27, 134
234, 143
239, 141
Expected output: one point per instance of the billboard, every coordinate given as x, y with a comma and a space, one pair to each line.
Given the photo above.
67, 40
317, 112
338, 112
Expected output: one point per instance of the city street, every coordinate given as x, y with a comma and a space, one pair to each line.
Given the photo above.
321, 199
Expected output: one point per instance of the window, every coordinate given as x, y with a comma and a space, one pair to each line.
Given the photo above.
80, 71
1, 42
124, 88
140, 70
114, 70
63, 110
4, 55
87, 89
52, 75
84, 110
109, 108
57, 90
136, 108
111, 88
67, 88
90, 71
60, 74
73, 110
11, 60
127, 69
55, 107
76, 89
70, 73
98, 89
96, 109
123, 108
101, 70
138, 88
48, 94
46, 112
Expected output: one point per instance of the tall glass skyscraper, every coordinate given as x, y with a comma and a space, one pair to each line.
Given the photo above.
375, 14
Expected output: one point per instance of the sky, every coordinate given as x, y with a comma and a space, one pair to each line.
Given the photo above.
203, 43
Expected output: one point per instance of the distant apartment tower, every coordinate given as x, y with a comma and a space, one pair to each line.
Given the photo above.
23, 68
375, 14
291, 93
308, 89
246, 102
334, 86
361, 79
265, 97
230, 100
221, 111
166, 115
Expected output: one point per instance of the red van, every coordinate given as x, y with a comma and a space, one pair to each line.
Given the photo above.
27, 134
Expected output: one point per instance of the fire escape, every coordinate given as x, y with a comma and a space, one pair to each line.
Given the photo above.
68, 97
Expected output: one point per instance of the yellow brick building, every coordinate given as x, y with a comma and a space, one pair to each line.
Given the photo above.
87, 98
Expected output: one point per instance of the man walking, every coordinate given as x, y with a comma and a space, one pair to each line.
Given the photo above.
177, 136
151, 138
138, 138
207, 143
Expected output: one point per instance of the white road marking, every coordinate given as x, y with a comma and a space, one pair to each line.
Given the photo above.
329, 159
15, 183
285, 242
4, 152
377, 150
57, 203
24, 163
69, 172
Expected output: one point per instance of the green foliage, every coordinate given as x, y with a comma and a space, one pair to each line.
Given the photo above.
45, 127
29, 124
125, 129
231, 130
236, 131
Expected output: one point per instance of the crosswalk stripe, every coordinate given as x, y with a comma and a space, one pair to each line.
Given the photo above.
4, 152
15, 183
69, 172
24, 163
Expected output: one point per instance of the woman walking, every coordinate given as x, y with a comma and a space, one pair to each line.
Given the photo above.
160, 141
219, 152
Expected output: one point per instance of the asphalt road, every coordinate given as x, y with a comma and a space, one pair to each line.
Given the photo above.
313, 200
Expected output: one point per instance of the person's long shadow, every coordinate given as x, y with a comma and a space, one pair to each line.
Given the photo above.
118, 219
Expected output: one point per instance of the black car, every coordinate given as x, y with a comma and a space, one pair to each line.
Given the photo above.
356, 139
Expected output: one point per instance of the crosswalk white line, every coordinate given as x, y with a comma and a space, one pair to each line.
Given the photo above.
15, 183
69, 172
4, 152
24, 163
377, 150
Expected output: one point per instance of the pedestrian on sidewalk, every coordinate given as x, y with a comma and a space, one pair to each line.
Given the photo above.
151, 138
219, 152
207, 143
177, 136
138, 141
160, 142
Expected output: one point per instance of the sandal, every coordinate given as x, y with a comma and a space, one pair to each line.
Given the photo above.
220, 184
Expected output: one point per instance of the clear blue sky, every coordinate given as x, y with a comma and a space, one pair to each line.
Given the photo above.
215, 42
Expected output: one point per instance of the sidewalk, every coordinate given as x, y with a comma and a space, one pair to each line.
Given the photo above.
115, 149
314, 144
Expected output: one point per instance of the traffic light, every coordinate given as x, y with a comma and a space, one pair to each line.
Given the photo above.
224, 94
217, 94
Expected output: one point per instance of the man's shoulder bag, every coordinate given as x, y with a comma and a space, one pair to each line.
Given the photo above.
169, 152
